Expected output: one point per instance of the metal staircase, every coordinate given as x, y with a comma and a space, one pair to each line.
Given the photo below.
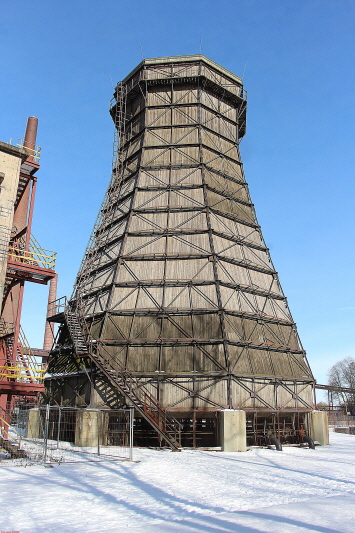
10, 443
123, 381
22, 365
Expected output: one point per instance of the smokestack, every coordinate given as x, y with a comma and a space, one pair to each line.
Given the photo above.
30, 136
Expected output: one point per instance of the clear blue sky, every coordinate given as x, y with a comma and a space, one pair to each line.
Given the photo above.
59, 61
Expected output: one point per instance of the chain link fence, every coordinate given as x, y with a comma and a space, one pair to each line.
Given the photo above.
51, 434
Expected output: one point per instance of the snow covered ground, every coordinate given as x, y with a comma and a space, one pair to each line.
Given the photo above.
296, 490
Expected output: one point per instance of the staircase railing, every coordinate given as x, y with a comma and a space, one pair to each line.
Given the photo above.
21, 366
35, 255
28, 360
35, 152
6, 328
58, 306
128, 385
7, 428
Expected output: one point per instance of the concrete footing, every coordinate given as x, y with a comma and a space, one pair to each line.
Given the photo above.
349, 430
87, 428
233, 430
34, 428
318, 427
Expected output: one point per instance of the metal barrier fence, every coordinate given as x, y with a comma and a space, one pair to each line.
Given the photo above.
51, 434
337, 418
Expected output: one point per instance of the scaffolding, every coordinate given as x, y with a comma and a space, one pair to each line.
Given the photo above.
22, 259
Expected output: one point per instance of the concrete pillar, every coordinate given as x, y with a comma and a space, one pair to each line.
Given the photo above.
48, 333
233, 431
34, 429
87, 427
318, 427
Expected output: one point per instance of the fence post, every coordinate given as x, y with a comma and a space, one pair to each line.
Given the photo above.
59, 420
98, 431
45, 436
20, 426
131, 413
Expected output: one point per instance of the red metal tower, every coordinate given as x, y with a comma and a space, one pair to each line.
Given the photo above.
21, 368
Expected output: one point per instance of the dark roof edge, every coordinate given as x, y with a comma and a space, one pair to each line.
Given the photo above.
13, 150
185, 59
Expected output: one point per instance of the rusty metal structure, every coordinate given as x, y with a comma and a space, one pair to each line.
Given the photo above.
177, 307
22, 260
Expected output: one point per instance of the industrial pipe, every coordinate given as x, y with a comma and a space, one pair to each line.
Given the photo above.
30, 136
276, 443
310, 442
